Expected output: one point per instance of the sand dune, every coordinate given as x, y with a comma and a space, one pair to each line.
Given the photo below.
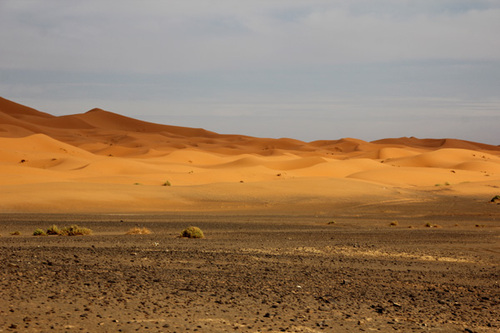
443, 158
99, 161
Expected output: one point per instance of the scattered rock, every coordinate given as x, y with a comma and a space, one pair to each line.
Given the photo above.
378, 309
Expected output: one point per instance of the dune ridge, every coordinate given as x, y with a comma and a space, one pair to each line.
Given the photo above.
127, 160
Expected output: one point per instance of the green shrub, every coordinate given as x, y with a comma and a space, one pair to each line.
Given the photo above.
192, 232
15, 233
495, 199
53, 230
75, 230
167, 183
39, 232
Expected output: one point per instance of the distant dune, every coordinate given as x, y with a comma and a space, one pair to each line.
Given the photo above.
100, 161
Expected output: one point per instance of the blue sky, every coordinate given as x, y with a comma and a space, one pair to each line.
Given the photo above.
309, 70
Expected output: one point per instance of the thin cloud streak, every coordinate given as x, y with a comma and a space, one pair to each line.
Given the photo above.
170, 36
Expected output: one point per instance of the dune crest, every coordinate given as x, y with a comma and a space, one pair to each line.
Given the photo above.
107, 152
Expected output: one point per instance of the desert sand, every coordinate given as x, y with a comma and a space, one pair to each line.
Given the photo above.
100, 161
325, 236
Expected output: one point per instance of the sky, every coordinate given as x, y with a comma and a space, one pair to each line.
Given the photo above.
303, 69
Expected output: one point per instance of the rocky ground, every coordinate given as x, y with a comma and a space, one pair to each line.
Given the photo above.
251, 274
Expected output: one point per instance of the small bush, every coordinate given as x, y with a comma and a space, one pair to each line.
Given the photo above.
167, 183
15, 233
495, 199
138, 231
331, 222
75, 230
39, 232
394, 223
53, 230
192, 232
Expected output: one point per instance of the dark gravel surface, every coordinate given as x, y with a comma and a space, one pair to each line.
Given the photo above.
250, 274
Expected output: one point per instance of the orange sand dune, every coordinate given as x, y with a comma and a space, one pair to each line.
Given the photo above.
100, 161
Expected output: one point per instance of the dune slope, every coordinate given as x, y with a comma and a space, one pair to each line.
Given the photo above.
100, 161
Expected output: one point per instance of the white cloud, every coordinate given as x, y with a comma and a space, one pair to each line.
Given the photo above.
161, 36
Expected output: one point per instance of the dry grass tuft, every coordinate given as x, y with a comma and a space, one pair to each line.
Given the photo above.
53, 230
75, 230
138, 231
39, 232
192, 232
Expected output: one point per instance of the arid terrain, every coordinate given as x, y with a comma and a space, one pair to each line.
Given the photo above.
325, 236
253, 274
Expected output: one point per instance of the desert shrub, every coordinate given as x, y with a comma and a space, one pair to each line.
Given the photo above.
138, 231
15, 233
39, 232
394, 223
192, 232
75, 230
167, 183
495, 199
331, 222
53, 230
